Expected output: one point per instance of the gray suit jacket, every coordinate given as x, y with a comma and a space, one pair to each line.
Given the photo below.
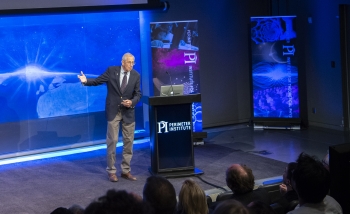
115, 96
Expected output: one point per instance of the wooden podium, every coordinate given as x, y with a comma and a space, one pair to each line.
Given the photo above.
171, 133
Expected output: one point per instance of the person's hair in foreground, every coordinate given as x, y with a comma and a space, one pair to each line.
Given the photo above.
160, 194
192, 199
231, 206
118, 202
310, 179
240, 178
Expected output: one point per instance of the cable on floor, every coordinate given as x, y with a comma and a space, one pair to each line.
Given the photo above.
219, 187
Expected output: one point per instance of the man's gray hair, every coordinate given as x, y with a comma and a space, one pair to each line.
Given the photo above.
126, 55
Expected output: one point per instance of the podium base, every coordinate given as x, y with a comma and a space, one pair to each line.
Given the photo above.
177, 174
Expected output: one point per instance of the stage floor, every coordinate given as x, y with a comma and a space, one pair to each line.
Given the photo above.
281, 145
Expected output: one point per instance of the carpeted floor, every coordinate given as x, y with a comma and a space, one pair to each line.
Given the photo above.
40, 186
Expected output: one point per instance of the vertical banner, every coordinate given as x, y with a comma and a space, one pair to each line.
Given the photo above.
175, 60
274, 67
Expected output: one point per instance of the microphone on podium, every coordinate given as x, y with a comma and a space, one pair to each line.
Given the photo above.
171, 84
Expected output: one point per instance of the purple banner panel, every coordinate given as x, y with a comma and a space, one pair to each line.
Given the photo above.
175, 60
274, 67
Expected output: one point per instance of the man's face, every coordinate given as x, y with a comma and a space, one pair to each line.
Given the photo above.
128, 63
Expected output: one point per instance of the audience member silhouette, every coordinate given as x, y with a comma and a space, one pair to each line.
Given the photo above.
259, 207
286, 186
231, 206
192, 199
76, 209
160, 194
61, 210
240, 179
311, 180
289, 197
118, 202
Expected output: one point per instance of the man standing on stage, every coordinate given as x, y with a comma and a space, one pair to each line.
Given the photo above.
123, 93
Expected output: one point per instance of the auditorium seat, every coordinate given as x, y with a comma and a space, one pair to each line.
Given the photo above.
209, 200
292, 205
273, 190
224, 196
281, 210
277, 208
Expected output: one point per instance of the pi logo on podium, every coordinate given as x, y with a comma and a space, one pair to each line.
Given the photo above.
162, 127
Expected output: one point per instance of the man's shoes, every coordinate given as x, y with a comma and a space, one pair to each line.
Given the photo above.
128, 176
112, 177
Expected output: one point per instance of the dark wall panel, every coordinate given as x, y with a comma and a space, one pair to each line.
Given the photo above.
318, 26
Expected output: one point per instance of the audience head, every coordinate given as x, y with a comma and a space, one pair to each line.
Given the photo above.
160, 194
61, 210
240, 178
310, 179
76, 209
118, 202
231, 206
259, 207
192, 199
287, 175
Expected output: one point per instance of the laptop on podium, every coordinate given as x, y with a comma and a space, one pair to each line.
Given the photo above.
171, 90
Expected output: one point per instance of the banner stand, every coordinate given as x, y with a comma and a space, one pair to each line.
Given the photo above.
274, 72
292, 124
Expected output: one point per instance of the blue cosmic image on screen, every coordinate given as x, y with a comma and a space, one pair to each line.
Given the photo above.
274, 68
41, 56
